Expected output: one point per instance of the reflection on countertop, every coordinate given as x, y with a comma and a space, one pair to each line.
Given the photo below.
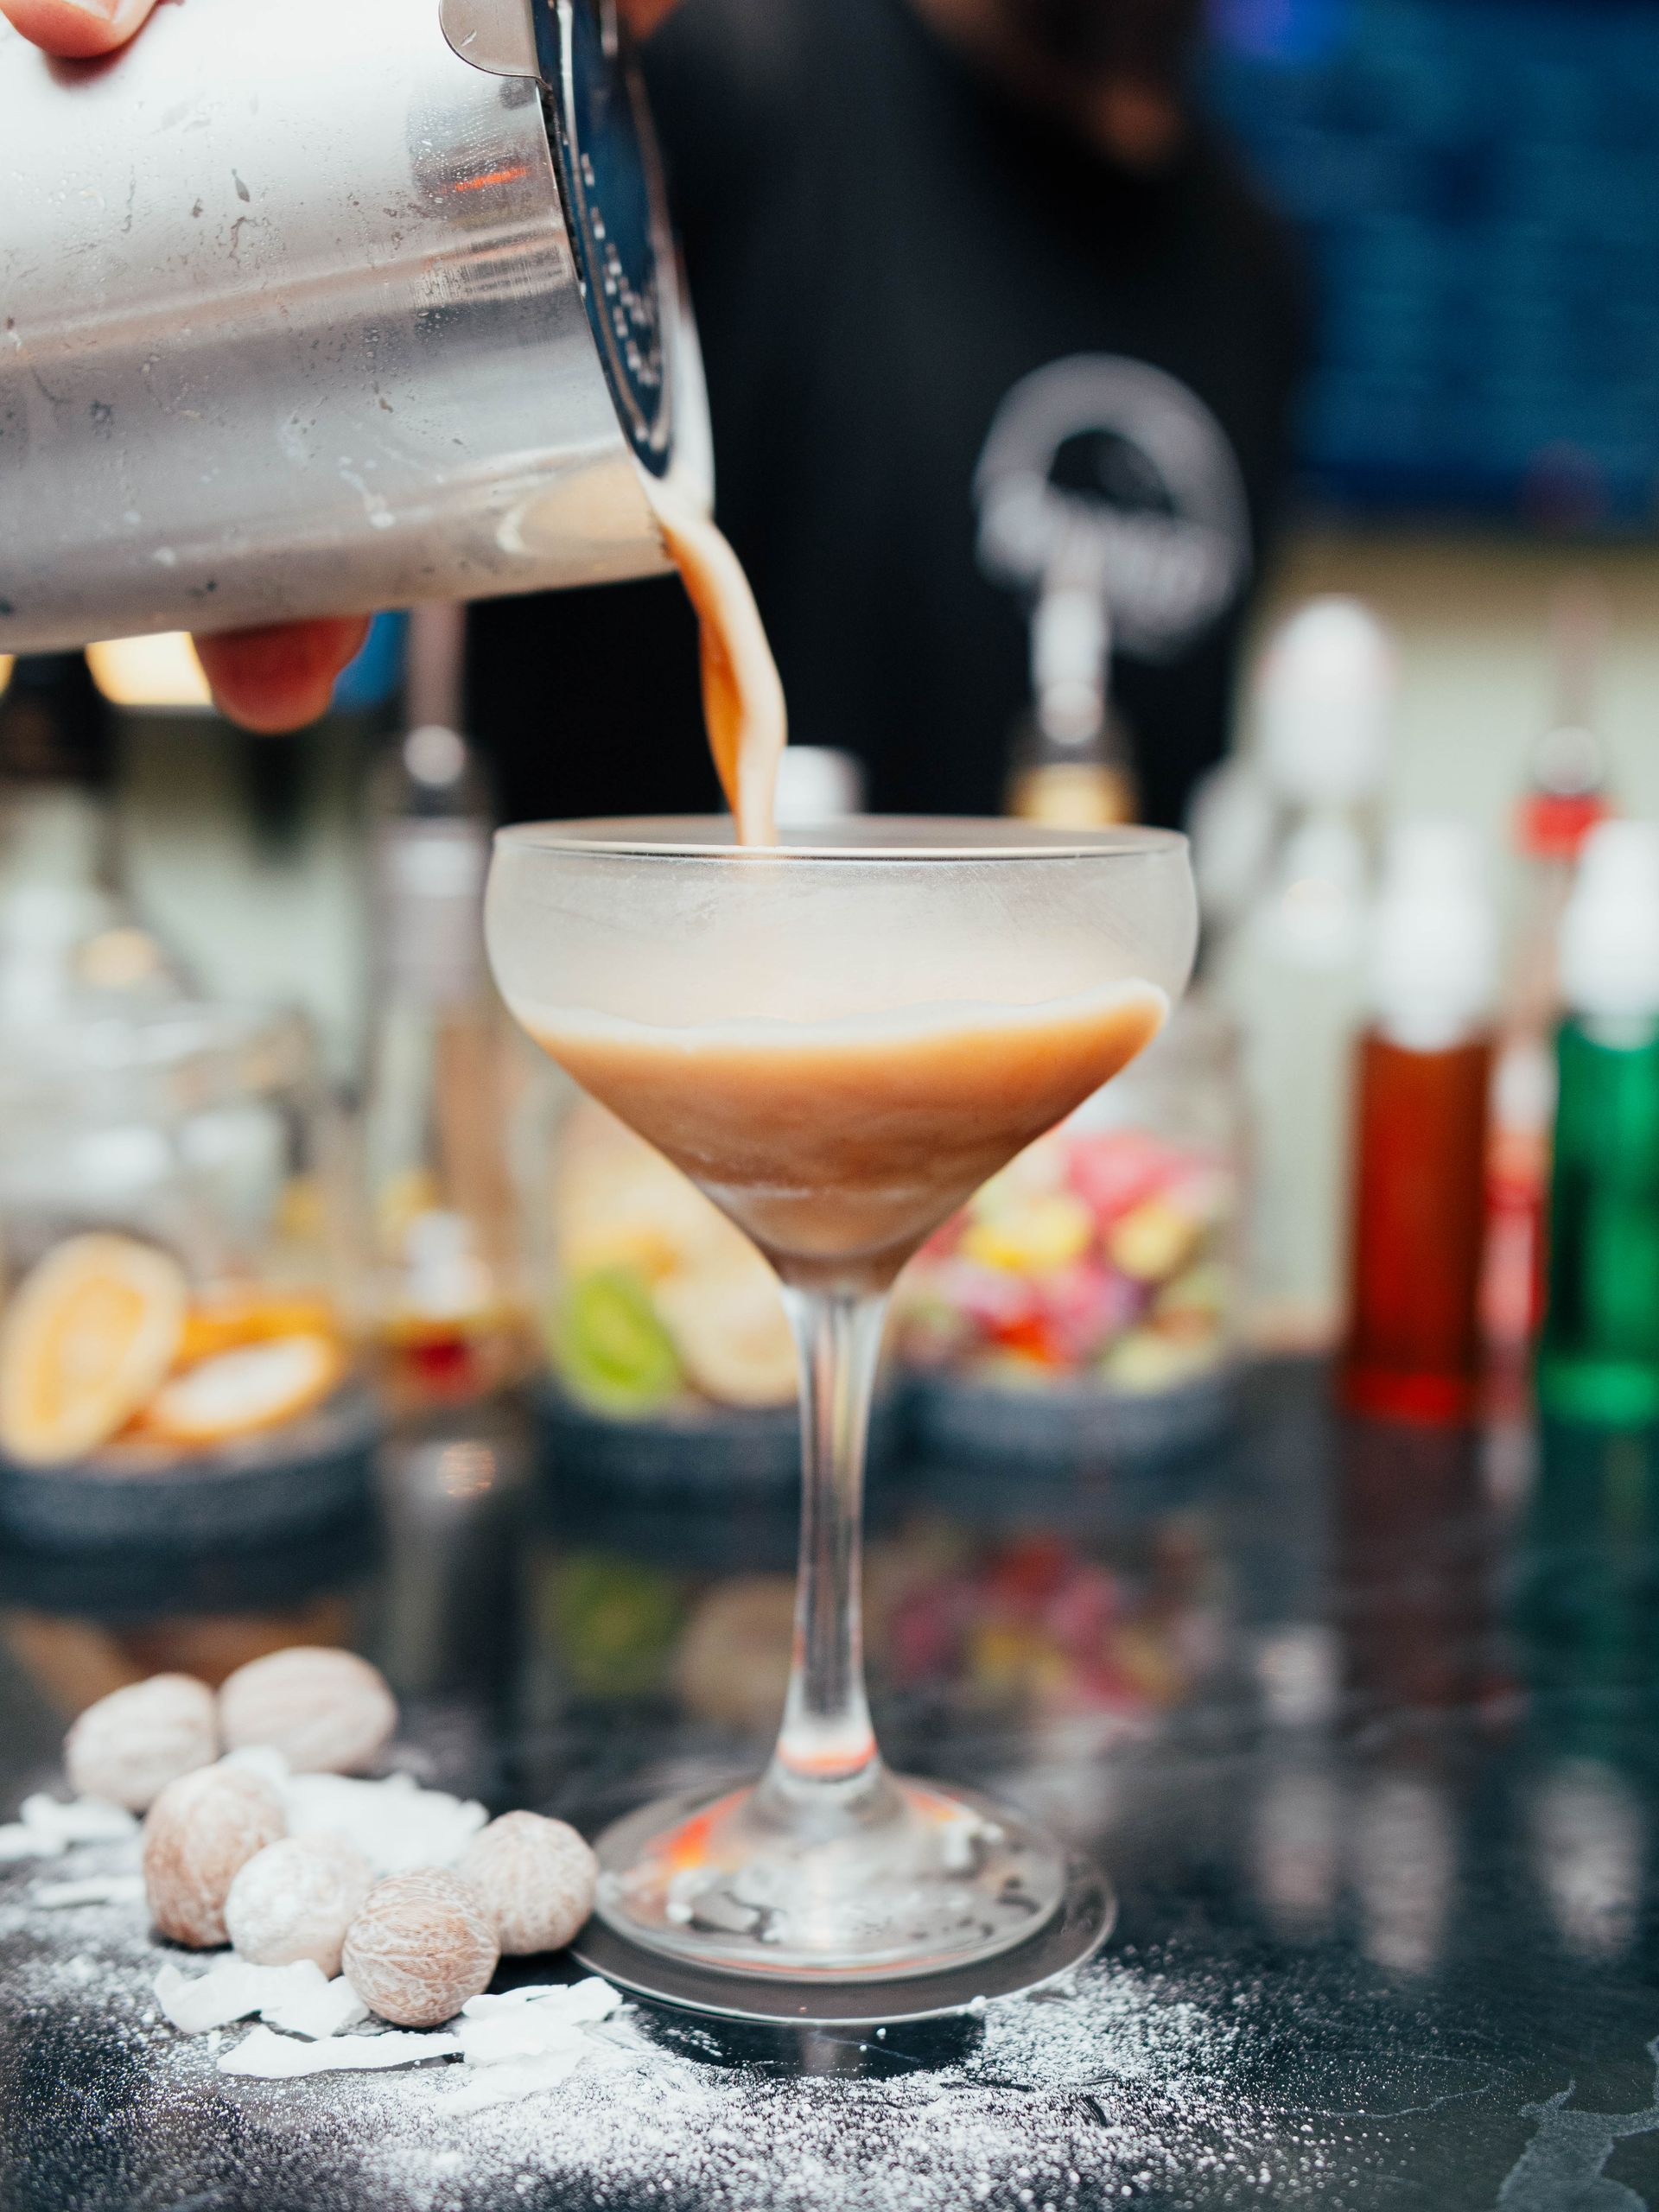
1366, 1737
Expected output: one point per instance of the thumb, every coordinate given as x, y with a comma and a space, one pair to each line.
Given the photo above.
279, 678
77, 30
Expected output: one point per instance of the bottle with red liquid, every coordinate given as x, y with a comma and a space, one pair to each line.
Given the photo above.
1414, 1348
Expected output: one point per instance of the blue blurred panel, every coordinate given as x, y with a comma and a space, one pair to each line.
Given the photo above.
370, 680
1479, 180
1279, 30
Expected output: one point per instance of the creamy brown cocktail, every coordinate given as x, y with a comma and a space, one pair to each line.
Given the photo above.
839, 1144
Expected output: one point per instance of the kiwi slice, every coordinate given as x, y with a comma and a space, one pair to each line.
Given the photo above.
611, 1352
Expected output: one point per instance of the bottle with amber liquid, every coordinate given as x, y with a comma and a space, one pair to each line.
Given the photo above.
1414, 1344
448, 1298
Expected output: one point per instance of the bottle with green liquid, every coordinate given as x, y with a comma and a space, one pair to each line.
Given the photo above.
1599, 1356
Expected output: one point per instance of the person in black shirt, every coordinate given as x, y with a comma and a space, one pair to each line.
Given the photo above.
977, 296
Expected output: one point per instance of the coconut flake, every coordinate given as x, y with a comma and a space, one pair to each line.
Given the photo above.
46, 1827
83, 1819
395, 1824
587, 1999
319, 2013
267, 2057
232, 1990
265, 1760
18, 1841
506, 2084
91, 1889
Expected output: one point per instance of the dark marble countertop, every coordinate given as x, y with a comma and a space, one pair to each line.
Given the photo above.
1362, 1721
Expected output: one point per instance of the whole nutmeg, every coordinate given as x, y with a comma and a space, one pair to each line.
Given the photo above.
295, 1899
327, 1711
535, 1878
419, 1948
198, 1835
131, 1744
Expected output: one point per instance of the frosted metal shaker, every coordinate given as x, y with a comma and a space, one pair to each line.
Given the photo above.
320, 305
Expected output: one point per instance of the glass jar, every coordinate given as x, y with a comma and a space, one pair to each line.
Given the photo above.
668, 1355
1085, 1300
176, 1263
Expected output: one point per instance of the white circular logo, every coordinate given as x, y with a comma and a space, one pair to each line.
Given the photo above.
1110, 474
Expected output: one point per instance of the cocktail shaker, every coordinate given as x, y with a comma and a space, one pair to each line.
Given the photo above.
314, 306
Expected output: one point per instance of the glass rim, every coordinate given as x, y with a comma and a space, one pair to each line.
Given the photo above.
964, 838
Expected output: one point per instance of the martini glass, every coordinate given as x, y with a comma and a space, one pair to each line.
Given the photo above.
838, 1042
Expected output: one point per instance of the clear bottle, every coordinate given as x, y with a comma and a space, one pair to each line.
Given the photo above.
1071, 765
448, 1299
1598, 1358
1293, 972
65, 929
1412, 1350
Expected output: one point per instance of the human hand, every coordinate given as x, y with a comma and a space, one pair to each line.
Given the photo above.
271, 679
78, 29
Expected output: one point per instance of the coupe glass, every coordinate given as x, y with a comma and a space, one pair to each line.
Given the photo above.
838, 1042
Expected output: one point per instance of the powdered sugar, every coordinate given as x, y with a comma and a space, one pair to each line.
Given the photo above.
1125, 2079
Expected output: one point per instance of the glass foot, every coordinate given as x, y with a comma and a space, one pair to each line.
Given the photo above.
910, 1879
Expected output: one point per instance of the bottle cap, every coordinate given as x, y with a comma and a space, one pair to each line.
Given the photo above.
1325, 698
1567, 798
1070, 654
817, 783
1434, 946
1609, 932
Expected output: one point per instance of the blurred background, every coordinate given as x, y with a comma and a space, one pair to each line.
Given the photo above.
1241, 419
1248, 420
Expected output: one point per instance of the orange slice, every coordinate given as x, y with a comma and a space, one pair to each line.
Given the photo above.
87, 1338
233, 1318
255, 1387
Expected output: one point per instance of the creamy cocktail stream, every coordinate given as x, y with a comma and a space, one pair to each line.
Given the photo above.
742, 696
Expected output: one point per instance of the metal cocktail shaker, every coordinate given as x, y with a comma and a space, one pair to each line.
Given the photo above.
314, 306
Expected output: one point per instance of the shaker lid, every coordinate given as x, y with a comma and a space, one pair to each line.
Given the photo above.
610, 179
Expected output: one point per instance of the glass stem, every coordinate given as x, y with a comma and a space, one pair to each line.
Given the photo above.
826, 1763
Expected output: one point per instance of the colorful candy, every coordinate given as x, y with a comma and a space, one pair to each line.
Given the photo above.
1100, 1254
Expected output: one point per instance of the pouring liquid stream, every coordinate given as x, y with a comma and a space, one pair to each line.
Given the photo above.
742, 695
